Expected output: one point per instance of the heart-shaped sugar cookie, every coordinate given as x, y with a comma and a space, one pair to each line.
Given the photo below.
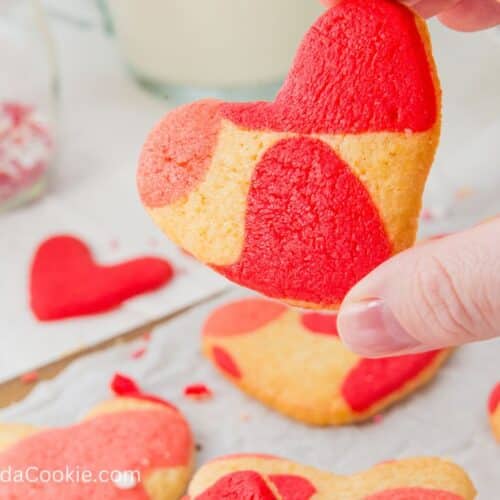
129, 448
258, 477
65, 280
295, 363
302, 197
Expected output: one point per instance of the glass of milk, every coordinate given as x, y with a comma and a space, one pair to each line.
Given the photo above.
233, 49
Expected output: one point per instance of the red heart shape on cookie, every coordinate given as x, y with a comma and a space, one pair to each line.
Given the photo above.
128, 448
300, 198
272, 478
295, 363
65, 280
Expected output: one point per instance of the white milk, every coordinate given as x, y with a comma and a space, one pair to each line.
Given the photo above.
211, 43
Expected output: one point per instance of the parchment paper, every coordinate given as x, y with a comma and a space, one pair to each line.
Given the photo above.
447, 418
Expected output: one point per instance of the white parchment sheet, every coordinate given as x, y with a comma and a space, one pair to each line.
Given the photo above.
447, 418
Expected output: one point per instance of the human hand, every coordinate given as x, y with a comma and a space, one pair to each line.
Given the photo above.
461, 15
443, 292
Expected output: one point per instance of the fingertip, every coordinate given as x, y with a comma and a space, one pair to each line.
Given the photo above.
370, 329
472, 15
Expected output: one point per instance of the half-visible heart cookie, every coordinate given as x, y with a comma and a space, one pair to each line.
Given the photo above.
295, 363
302, 197
257, 477
65, 280
494, 411
130, 448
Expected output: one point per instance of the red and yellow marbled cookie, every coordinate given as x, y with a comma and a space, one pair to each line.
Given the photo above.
258, 477
301, 197
494, 411
295, 363
137, 433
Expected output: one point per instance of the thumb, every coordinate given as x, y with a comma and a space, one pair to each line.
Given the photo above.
445, 292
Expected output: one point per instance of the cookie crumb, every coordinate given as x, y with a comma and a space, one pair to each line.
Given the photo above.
198, 447
198, 392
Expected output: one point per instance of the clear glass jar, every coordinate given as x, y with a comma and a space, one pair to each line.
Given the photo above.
225, 48
28, 96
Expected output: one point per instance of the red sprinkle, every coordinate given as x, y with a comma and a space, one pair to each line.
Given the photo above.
198, 392
29, 377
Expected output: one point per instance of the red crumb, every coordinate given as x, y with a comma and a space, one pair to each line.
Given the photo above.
138, 353
198, 392
124, 386
29, 377
378, 418
146, 336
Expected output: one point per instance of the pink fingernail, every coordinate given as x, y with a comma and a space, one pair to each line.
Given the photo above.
370, 329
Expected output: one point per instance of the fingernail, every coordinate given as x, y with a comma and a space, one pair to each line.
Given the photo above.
369, 328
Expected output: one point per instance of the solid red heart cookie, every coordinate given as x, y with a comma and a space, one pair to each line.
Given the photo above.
126, 449
65, 281
271, 478
295, 363
494, 411
301, 197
